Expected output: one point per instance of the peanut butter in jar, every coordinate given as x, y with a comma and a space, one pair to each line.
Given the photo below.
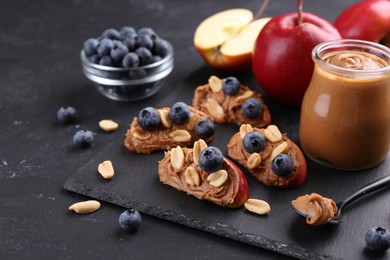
345, 115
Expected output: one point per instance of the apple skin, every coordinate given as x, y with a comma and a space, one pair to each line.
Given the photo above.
367, 20
243, 188
302, 169
282, 62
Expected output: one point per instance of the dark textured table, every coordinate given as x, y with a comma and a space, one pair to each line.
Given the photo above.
40, 72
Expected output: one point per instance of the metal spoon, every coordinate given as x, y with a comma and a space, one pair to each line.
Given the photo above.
373, 186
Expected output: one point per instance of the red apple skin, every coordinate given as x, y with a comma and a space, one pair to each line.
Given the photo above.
302, 169
243, 188
367, 20
282, 62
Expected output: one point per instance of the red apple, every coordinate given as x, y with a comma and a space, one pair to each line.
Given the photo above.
302, 169
225, 40
242, 194
282, 62
367, 20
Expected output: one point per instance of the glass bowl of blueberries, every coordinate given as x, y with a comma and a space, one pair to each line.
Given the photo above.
127, 64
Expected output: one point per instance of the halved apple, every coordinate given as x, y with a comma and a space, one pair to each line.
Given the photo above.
226, 39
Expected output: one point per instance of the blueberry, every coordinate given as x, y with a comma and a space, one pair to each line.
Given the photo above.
205, 128
95, 58
147, 31
106, 61
83, 138
156, 58
137, 73
211, 159
130, 42
111, 34
253, 142
231, 86
127, 31
252, 108
378, 239
282, 165
66, 115
161, 47
149, 118
145, 56
179, 113
118, 52
90, 47
145, 41
105, 47
130, 220
130, 60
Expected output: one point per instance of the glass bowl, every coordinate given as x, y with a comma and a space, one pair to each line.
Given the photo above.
123, 84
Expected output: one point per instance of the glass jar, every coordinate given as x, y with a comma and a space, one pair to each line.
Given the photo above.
345, 113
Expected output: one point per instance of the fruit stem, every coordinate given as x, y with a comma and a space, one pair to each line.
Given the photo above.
261, 10
299, 5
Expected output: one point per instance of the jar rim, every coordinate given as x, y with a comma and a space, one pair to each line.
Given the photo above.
356, 45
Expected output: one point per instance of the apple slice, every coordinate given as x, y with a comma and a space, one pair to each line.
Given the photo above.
226, 39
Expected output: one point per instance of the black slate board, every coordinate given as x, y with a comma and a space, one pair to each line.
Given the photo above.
136, 185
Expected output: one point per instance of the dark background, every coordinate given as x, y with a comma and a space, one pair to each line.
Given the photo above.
40, 71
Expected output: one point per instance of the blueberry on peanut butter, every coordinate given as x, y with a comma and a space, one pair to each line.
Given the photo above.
179, 113
252, 108
205, 128
149, 118
231, 86
253, 142
211, 159
282, 165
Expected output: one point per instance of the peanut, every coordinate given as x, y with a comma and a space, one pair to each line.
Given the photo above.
106, 169
85, 207
257, 206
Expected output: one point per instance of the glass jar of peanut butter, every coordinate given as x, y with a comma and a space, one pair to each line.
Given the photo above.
345, 113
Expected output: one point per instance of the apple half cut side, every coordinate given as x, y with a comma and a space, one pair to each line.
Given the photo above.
191, 179
226, 39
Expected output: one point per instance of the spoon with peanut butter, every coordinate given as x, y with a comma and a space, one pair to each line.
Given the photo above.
319, 210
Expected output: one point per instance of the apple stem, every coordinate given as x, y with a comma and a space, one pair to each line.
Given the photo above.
261, 10
299, 4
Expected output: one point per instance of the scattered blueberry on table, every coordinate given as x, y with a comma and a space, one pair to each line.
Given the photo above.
378, 239
83, 138
67, 115
130, 220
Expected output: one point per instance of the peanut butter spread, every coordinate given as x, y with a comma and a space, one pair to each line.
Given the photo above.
164, 137
263, 172
319, 210
223, 195
355, 60
230, 106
